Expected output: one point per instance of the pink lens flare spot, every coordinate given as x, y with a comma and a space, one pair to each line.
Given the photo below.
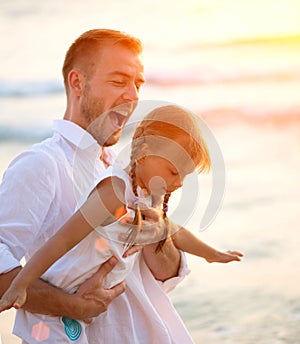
126, 219
122, 237
101, 244
40, 331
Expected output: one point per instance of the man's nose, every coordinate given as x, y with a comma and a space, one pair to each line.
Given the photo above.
131, 93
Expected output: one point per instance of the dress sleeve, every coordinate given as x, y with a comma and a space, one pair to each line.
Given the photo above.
172, 283
26, 193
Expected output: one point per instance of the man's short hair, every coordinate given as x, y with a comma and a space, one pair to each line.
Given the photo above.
82, 50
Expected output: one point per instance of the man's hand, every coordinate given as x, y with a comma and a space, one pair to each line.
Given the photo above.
97, 299
90, 300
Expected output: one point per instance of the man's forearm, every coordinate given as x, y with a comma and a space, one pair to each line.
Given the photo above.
164, 264
44, 298
89, 301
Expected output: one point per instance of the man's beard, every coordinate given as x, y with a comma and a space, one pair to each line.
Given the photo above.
92, 109
105, 125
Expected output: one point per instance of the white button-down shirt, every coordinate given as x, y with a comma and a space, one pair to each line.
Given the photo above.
39, 192
41, 187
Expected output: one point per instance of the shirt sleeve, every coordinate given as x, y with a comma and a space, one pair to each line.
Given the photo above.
26, 193
172, 283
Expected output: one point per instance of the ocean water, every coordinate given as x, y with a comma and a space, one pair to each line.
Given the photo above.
230, 58
206, 55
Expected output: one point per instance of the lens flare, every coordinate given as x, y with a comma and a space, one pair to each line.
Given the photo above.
40, 331
101, 244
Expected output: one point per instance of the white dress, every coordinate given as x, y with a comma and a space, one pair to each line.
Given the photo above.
141, 315
80, 263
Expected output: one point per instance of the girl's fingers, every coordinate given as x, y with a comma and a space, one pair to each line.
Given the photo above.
17, 305
4, 306
236, 253
132, 250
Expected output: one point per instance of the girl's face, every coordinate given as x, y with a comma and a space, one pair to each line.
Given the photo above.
158, 175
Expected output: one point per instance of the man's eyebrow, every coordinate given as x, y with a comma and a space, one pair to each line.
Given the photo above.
119, 73
128, 76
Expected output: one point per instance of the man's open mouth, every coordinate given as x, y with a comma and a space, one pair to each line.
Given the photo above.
117, 119
120, 115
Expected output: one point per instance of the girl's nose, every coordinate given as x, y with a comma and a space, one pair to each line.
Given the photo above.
178, 182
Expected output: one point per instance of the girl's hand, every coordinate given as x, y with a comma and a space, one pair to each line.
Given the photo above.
152, 228
13, 297
132, 250
151, 214
225, 257
150, 232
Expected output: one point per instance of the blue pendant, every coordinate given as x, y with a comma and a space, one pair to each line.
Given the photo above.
72, 328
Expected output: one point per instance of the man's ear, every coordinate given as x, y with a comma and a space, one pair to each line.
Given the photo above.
76, 82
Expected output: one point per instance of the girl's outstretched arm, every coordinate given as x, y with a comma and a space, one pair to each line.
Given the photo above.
99, 208
74, 230
188, 242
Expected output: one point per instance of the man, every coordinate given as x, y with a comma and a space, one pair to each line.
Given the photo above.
102, 73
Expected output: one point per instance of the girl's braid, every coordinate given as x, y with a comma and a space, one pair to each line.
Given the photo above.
135, 229
167, 228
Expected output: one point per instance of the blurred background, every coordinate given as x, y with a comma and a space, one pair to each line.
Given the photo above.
237, 64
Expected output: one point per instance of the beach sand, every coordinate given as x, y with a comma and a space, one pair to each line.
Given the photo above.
256, 301
6, 324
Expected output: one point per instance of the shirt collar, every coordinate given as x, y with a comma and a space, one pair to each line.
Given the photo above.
74, 133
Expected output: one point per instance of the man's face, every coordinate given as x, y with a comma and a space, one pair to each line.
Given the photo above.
110, 95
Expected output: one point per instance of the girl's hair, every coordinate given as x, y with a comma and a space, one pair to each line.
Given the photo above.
171, 126
82, 51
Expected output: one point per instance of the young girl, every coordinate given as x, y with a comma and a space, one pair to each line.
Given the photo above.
166, 146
